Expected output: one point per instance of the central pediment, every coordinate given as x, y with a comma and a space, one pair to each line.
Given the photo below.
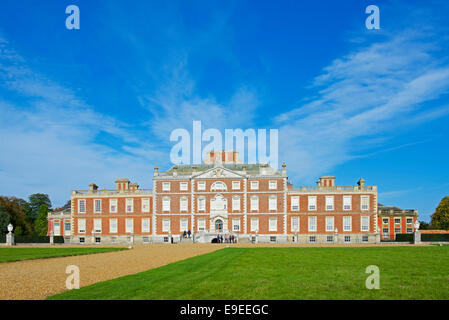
219, 172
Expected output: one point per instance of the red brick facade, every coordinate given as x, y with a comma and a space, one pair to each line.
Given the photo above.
252, 202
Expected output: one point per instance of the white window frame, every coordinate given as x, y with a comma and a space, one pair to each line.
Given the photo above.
201, 224
383, 221
166, 203
294, 222
129, 227
272, 203
272, 185
254, 185
406, 219
146, 205
346, 206
330, 224
294, 203
235, 223
165, 186
273, 225
347, 227
79, 205
183, 186
182, 222
129, 205
254, 203
235, 185
111, 225
145, 225
82, 230
218, 186
201, 185
183, 204
330, 204
364, 203
97, 201
312, 203
312, 224
97, 223
397, 223
113, 202
166, 225
235, 203
364, 223
254, 224
201, 204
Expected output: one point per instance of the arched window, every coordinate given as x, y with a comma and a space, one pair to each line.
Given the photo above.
218, 186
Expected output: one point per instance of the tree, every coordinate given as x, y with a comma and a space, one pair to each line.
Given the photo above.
4, 220
36, 200
17, 217
424, 225
26, 208
440, 218
41, 222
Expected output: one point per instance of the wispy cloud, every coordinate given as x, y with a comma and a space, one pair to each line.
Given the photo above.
48, 137
371, 91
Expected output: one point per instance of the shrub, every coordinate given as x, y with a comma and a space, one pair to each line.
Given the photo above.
435, 237
404, 237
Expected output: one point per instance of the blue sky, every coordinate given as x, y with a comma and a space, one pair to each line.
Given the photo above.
99, 103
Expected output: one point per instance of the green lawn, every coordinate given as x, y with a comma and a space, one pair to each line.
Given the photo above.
286, 273
17, 254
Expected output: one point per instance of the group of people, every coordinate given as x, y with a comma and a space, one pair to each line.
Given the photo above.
186, 234
228, 238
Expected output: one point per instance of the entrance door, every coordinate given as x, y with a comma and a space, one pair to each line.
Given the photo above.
219, 225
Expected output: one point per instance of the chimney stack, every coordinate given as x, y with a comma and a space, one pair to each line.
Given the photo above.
122, 185
175, 170
134, 187
93, 188
326, 182
361, 183
264, 169
156, 171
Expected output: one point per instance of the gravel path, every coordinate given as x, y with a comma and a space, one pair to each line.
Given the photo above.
38, 279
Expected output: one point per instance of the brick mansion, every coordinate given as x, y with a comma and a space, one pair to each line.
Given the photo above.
252, 202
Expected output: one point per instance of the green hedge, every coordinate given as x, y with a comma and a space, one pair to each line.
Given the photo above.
436, 237
426, 237
33, 239
404, 237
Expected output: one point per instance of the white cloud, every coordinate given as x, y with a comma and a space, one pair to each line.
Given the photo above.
48, 139
360, 96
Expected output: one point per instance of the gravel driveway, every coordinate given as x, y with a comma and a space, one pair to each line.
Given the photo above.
38, 279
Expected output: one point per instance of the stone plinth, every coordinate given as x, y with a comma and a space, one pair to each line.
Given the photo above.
416, 237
